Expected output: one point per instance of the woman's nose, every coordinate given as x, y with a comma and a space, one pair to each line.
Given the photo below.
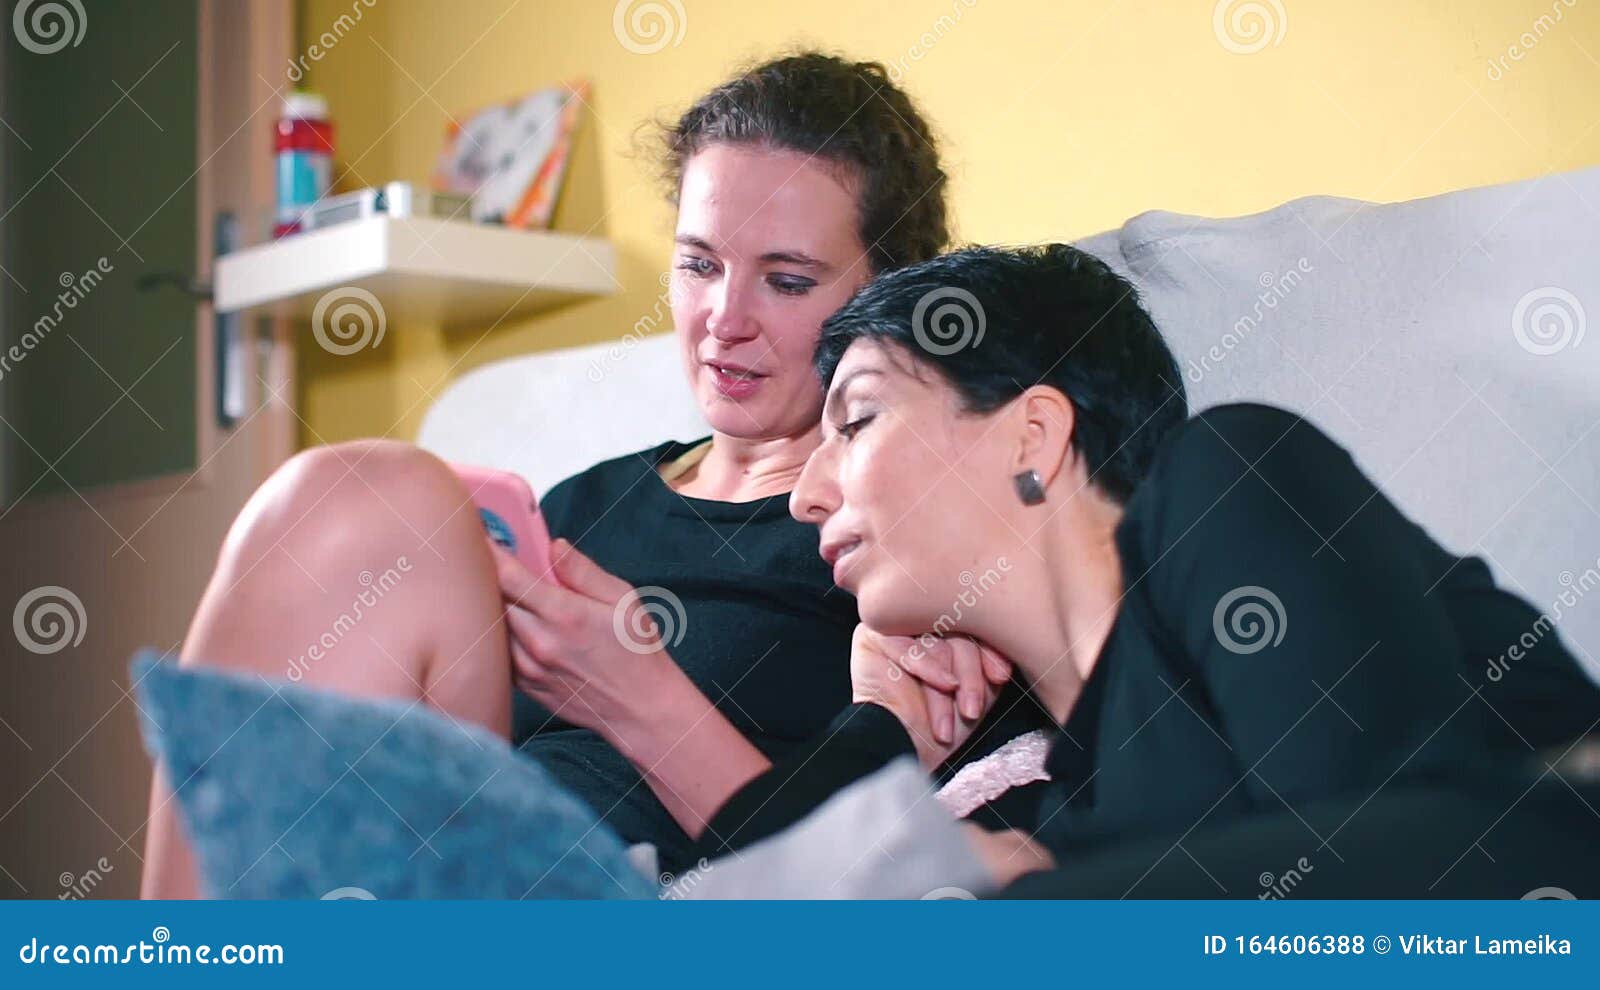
730, 320
815, 496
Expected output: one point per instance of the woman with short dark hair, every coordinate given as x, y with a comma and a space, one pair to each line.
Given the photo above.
1231, 626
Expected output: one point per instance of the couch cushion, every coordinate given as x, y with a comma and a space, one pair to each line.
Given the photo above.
1440, 340
294, 792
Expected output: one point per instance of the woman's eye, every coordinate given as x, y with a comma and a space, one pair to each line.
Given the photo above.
699, 267
791, 285
850, 429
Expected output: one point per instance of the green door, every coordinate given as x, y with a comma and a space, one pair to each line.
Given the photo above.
97, 379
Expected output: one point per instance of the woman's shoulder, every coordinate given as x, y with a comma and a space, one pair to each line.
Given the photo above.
1204, 460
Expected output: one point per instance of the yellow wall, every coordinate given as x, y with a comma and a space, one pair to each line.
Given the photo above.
1058, 118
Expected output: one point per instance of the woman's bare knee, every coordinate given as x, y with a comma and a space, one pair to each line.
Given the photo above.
347, 494
361, 567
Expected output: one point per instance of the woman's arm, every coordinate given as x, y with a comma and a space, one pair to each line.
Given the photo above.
1293, 589
692, 757
890, 717
567, 654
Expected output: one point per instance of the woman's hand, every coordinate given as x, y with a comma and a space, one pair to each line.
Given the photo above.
939, 688
959, 677
585, 647
580, 647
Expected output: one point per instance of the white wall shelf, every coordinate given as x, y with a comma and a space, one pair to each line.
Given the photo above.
421, 269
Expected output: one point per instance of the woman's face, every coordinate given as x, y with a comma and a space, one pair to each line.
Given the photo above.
767, 248
913, 495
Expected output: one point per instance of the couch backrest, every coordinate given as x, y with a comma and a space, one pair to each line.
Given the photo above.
1440, 340
549, 415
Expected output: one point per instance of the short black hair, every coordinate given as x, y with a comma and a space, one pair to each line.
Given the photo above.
996, 321
841, 112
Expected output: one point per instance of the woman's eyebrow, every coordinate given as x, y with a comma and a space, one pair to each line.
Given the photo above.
700, 243
836, 393
799, 258
787, 257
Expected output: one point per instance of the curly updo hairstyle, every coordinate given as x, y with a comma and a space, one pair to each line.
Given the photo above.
846, 113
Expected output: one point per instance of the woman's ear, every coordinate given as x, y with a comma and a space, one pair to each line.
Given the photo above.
1048, 421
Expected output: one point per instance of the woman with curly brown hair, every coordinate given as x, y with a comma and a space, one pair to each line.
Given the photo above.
795, 182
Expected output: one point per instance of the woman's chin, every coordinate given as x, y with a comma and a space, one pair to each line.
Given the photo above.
764, 415
894, 613
732, 418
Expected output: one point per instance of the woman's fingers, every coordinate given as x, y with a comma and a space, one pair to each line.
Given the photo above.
941, 714
932, 665
955, 664
995, 667
524, 668
547, 598
517, 584
507, 570
532, 636
972, 684
578, 572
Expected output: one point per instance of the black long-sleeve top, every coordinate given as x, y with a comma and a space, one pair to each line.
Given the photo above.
745, 607
1286, 635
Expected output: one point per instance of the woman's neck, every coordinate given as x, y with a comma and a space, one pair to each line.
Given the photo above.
1054, 623
736, 469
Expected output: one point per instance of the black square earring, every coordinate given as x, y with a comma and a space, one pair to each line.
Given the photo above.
1029, 488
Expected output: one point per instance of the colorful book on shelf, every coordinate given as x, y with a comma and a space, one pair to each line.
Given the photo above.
511, 158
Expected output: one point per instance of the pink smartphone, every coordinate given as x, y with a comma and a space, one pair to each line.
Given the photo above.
510, 514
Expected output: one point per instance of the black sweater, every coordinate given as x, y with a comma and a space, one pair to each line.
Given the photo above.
764, 634
1353, 664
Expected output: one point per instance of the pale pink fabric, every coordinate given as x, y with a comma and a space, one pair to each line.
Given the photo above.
1018, 762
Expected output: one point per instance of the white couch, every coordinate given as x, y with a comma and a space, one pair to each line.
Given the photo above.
1441, 340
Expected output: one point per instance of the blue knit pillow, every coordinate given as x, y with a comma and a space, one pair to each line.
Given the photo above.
291, 792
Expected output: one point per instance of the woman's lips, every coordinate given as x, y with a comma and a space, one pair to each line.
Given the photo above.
842, 559
735, 383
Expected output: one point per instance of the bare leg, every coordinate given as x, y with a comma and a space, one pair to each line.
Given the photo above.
361, 568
